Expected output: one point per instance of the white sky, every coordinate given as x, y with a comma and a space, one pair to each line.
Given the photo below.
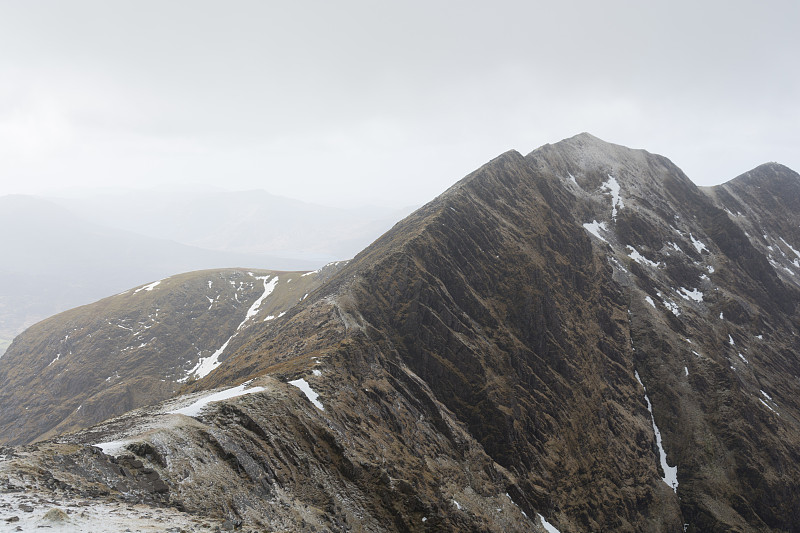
359, 101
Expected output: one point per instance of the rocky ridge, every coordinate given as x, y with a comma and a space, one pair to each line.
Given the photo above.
580, 335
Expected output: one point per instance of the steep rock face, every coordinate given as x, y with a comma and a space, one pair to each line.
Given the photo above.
580, 333
765, 203
713, 323
495, 297
136, 348
501, 305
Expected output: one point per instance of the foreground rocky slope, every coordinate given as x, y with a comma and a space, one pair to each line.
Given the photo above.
136, 348
579, 335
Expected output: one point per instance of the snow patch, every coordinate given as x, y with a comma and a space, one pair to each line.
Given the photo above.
710, 269
694, 294
767, 396
197, 407
699, 246
148, 288
639, 258
303, 385
650, 301
612, 186
669, 304
743, 358
730, 340
594, 228
114, 447
205, 365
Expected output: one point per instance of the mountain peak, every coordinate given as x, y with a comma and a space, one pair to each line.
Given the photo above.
765, 173
768, 188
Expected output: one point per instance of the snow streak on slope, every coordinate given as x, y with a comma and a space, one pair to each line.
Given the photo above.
612, 186
205, 365
670, 472
268, 288
550, 528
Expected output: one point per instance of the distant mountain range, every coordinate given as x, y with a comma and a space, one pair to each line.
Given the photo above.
578, 339
247, 222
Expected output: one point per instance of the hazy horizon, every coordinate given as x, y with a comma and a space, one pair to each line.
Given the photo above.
358, 103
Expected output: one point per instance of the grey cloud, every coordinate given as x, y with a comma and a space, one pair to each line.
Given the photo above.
387, 102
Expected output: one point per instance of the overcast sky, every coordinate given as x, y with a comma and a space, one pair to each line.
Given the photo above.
371, 102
